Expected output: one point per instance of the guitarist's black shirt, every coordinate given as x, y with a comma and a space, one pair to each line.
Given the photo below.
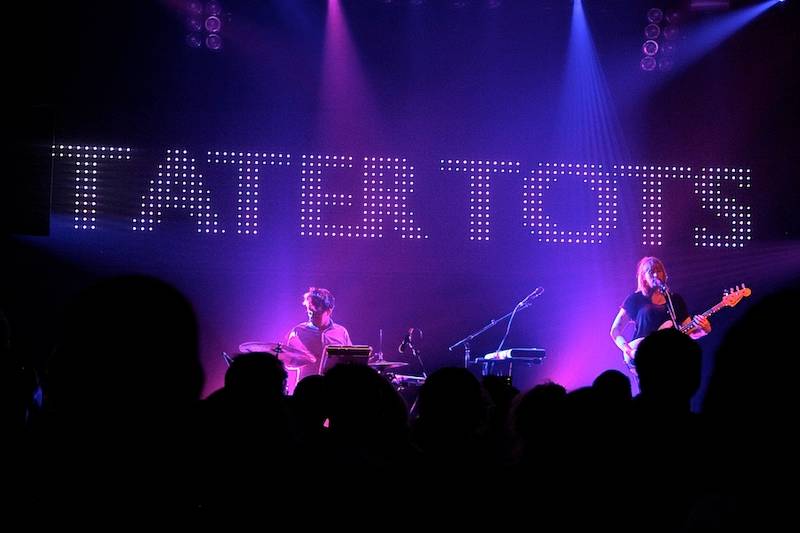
649, 316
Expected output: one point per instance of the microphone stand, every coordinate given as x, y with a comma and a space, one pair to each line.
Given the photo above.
415, 353
524, 304
378, 356
413, 409
670, 307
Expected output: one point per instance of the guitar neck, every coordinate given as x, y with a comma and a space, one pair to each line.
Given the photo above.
707, 313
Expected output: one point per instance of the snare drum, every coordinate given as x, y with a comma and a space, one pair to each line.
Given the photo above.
402, 381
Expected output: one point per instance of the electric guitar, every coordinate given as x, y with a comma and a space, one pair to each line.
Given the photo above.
731, 298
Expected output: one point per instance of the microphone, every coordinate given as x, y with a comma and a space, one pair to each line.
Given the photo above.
406, 341
659, 284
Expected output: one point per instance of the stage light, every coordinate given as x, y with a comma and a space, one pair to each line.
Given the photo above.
655, 15
709, 5
662, 33
650, 48
213, 24
213, 41
204, 23
652, 31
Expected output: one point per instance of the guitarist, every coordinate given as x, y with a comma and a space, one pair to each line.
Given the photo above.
650, 308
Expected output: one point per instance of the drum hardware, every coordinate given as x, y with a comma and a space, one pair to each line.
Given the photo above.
378, 362
292, 358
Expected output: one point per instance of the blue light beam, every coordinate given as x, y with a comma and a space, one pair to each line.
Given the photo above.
588, 127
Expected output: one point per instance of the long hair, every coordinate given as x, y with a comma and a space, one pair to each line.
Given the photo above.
645, 265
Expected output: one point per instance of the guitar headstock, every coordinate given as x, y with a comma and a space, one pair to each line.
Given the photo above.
732, 296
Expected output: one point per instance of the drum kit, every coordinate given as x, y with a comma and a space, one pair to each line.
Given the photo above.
294, 359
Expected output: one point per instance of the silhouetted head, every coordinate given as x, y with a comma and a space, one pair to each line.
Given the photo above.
256, 374
755, 367
128, 347
669, 366
539, 408
361, 400
310, 399
612, 386
453, 396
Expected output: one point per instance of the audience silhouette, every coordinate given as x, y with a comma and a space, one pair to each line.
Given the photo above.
121, 412
749, 408
118, 389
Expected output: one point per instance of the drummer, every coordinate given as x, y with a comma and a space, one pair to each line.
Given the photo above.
319, 330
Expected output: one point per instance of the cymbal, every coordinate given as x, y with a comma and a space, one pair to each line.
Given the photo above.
292, 358
387, 364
